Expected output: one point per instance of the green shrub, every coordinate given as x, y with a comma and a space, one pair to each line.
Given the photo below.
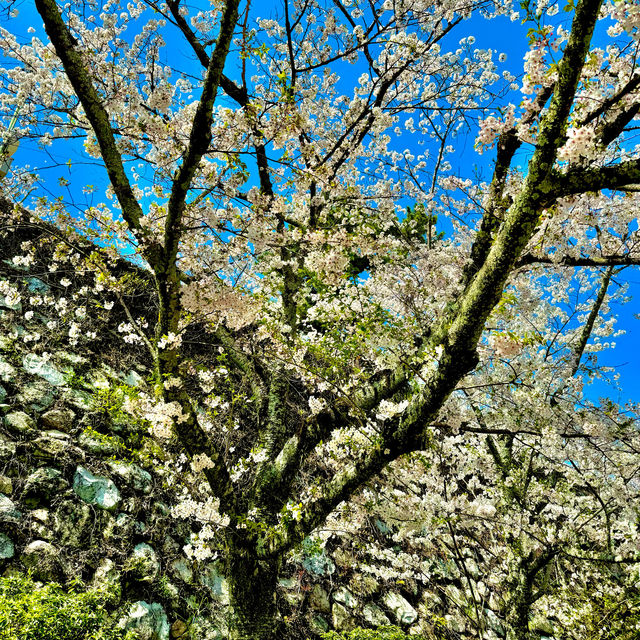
31, 610
381, 633
110, 402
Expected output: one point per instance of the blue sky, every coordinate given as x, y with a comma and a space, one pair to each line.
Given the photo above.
501, 35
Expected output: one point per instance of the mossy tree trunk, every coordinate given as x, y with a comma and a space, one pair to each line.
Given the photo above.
524, 590
518, 609
252, 583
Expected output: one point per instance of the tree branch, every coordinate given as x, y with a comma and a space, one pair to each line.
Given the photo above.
508, 144
570, 261
76, 71
632, 84
228, 86
588, 327
577, 181
200, 136
339, 488
460, 331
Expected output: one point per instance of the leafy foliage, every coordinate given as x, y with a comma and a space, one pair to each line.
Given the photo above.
109, 402
31, 610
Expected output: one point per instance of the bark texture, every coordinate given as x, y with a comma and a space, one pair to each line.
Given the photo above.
252, 592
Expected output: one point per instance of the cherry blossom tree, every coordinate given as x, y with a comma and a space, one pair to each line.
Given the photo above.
308, 331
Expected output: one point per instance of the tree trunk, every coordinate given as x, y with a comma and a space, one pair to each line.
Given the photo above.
521, 583
252, 593
518, 608
518, 619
